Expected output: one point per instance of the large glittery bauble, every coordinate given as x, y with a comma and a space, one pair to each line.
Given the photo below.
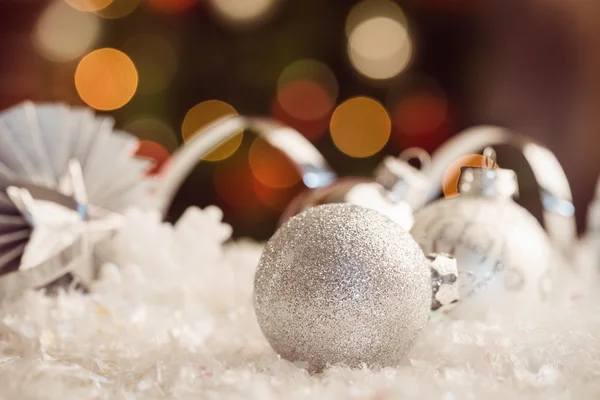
504, 255
341, 283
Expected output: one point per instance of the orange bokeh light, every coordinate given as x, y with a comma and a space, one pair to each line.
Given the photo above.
270, 167
273, 198
450, 181
202, 115
106, 79
88, 5
360, 127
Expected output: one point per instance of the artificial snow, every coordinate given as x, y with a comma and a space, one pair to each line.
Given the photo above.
172, 317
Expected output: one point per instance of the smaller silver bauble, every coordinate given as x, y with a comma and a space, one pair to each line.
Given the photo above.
504, 255
341, 283
395, 190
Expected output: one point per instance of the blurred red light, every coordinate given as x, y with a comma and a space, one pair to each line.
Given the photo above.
419, 114
421, 119
312, 130
153, 151
305, 100
234, 183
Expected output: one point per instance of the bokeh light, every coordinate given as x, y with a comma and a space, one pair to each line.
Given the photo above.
204, 114
242, 11
360, 127
420, 113
152, 129
155, 152
234, 183
270, 167
106, 79
379, 46
89, 5
155, 60
172, 6
274, 198
312, 130
307, 89
369, 9
119, 9
450, 181
63, 34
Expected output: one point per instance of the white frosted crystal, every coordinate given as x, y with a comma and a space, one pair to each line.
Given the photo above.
172, 317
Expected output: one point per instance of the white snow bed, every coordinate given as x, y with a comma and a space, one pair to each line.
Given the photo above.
172, 317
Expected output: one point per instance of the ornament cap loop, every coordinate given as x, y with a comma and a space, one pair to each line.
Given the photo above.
404, 182
488, 182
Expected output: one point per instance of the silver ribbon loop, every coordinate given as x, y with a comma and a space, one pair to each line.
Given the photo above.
309, 162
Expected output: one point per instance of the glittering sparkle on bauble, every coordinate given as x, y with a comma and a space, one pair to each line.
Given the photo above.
504, 255
341, 283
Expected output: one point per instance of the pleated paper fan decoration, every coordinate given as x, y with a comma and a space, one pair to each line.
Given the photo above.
38, 142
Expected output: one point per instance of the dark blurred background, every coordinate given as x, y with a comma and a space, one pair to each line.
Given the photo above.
359, 79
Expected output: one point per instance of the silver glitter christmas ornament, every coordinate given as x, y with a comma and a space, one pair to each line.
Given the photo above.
341, 283
504, 255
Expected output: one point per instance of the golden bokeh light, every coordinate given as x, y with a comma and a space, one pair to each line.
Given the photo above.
307, 89
119, 9
204, 114
89, 5
63, 34
450, 181
242, 11
152, 129
270, 167
380, 48
106, 79
155, 59
360, 127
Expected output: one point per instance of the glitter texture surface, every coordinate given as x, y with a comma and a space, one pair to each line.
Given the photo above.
340, 283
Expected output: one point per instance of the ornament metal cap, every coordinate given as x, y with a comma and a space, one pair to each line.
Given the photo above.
404, 182
444, 281
486, 182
